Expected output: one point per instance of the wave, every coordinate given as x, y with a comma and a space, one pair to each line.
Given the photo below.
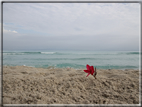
76, 66
11, 53
26, 53
82, 66
47, 52
69, 53
50, 53
79, 66
71, 59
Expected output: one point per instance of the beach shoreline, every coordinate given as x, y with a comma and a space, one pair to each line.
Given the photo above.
30, 85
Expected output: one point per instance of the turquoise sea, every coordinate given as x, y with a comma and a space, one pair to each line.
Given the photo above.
73, 59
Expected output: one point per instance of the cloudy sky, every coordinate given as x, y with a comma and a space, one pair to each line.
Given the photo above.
71, 26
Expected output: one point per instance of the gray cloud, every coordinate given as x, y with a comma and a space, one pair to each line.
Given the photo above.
71, 26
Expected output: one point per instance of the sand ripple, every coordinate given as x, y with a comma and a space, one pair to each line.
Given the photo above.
28, 85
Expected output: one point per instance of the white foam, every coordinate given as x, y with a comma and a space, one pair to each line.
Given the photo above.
13, 53
47, 52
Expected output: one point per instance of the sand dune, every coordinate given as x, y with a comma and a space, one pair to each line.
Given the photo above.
29, 85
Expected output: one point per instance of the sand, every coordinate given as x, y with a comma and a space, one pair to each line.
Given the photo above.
29, 85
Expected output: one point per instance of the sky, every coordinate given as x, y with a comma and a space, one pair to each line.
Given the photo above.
71, 26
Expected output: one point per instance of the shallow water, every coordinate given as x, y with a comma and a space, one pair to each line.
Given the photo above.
74, 59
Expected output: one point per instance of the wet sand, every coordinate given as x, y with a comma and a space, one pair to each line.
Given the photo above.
29, 85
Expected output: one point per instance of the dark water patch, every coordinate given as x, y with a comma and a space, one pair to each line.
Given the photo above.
87, 59
130, 53
133, 53
117, 67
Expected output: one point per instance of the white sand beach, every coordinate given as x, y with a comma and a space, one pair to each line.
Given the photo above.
29, 85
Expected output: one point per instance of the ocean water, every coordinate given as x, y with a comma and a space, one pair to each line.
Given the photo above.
73, 59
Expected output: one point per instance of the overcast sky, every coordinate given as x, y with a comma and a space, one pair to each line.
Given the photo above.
71, 26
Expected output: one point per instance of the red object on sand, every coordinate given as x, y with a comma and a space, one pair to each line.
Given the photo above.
90, 70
